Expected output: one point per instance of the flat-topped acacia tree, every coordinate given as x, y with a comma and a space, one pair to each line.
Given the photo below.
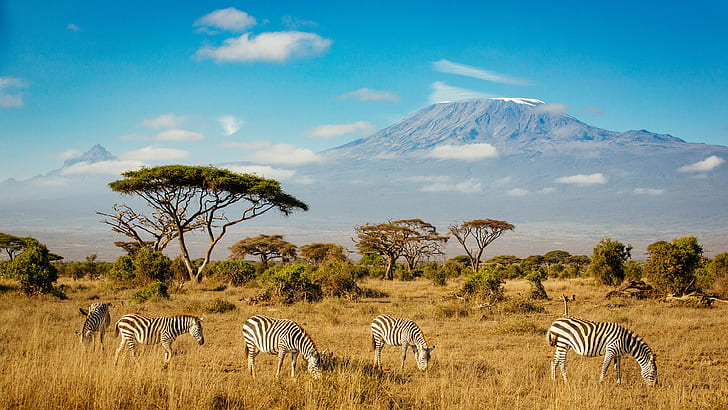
480, 233
186, 198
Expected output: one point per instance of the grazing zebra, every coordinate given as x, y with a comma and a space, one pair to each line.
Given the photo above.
139, 329
279, 336
97, 320
399, 332
598, 338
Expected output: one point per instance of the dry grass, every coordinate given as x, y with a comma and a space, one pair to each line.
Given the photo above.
487, 359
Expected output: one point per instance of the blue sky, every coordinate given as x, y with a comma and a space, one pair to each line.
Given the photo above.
274, 82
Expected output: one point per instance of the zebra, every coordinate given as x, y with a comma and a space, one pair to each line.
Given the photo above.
139, 329
599, 338
279, 336
97, 321
399, 332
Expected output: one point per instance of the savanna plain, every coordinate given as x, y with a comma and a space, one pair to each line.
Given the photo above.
484, 357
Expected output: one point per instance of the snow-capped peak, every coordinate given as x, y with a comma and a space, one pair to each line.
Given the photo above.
526, 101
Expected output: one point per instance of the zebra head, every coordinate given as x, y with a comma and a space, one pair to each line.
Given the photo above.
422, 355
196, 330
649, 371
314, 365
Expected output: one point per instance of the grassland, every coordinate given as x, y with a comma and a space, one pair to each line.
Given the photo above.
484, 358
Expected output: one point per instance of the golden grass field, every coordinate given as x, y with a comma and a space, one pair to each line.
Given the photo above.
487, 359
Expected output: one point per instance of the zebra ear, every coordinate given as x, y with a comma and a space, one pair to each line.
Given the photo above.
432, 348
83, 312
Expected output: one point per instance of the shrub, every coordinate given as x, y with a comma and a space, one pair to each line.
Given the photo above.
219, 305
607, 262
537, 290
453, 309
144, 267
521, 306
289, 284
235, 272
338, 279
671, 266
33, 269
436, 273
154, 291
485, 285
718, 273
633, 270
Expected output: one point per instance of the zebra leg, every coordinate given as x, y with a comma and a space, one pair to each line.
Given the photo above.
608, 357
378, 354
101, 338
252, 352
404, 354
167, 345
617, 361
294, 356
118, 350
560, 360
281, 356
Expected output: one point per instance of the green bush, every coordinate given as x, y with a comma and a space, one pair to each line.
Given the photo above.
537, 291
338, 279
144, 267
235, 272
33, 269
289, 284
153, 291
436, 273
485, 285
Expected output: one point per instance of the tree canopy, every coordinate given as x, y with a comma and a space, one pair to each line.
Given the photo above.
266, 247
607, 262
318, 252
474, 236
671, 266
187, 198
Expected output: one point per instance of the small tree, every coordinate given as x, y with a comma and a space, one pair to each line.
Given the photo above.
485, 285
718, 271
32, 268
607, 262
671, 266
474, 236
266, 247
318, 252
425, 241
384, 239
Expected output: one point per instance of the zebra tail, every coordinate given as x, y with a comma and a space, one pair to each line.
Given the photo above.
374, 343
116, 330
553, 338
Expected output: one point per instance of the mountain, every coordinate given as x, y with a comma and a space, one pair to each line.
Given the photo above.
97, 153
511, 125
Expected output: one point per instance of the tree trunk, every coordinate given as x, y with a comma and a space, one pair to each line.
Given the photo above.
186, 256
389, 273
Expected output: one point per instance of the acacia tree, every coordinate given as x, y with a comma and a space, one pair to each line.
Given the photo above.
424, 241
318, 252
13, 245
385, 239
267, 247
474, 236
183, 198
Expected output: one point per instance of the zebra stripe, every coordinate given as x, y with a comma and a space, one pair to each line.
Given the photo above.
598, 338
97, 320
399, 332
279, 336
149, 331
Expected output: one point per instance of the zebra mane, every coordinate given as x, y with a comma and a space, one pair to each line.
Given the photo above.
307, 336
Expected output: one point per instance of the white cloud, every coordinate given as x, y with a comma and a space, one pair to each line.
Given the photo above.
73, 28
367, 94
547, 190
286, 154
708, 164
595, 110
553, 108
264, 171
581, 179
468, 186
151, 153
69, 154
649, 191
360, 128
468, 152
230, 125
9, 95
442, 92
445, 66
229, 19
179, 135
51, 181
114, 167
165, 121
422, 178
246, 145
273, 46
517, 192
